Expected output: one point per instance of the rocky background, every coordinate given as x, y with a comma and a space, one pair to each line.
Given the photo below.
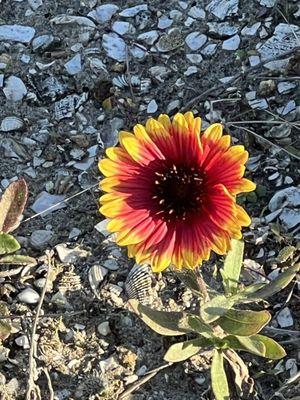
72, 74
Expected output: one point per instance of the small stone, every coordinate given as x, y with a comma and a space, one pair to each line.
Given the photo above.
222, 30
273, 176
152, 107
104, 328
111, 264
209, 50
16, 33
29, 296
159, 72
231, 43
194, 58
23, 341
41, 238
148, 37
223, 8
103, 13
74, 233
286, 87
254, 60
251, 30
123, 28
170, 41
164, 22
70, 256
35, 4
49, 202
289, 107
9, 124
41, 43
260, 104
133, 11
191, 70
267, 3
73, 66
284, 318
195, 40
289, 218
14, 89
196, 12
114, 46
284, 39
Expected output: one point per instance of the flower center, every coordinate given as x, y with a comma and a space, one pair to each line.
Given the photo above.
178, 192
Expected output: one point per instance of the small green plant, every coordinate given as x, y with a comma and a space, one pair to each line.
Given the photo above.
220, 325
12, 205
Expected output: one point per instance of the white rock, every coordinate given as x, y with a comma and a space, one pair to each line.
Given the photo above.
194, 58
223, 8
267, 3
1, 80
286, 86
73, 66
103, 13
289, 107
173, 105
254, 60
149, 37
45, 200
284, 318
196, 12
222, 28
114, 46
111, 264
70, 256
29, 296
191, 70
42, 42
251, 30
152, 107
195, 40
123, 28
159, 72
137, 52
289, 218
282, 40
41, 238
189, 21
12, 123
258, 104
176, 15
104, 328
209, 50
231, 43
23, 341
16, 33
65, 19
133, 11
183, 4
35, 4
164, 22
14, 89
288, 180
288, 196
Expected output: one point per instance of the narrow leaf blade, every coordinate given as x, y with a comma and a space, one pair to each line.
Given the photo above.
277, 284
183, 350
162, 322
232, 266
218, 377
18, 259
12, 205
8, 244
244, 322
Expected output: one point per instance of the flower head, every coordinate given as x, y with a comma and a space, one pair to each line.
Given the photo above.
171, 191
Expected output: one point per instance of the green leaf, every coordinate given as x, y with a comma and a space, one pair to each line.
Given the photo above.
244, 322
232, 266
198, 326
17, 259
277, 284
12, 205
183, 350
273, 350
167, 323
243, 343
8, 244
189, 278
257, 344
216, 307
218, 377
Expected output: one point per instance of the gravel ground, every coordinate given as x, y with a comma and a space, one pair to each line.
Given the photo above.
72, 74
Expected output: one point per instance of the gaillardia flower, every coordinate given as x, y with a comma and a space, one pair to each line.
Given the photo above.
171, 191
